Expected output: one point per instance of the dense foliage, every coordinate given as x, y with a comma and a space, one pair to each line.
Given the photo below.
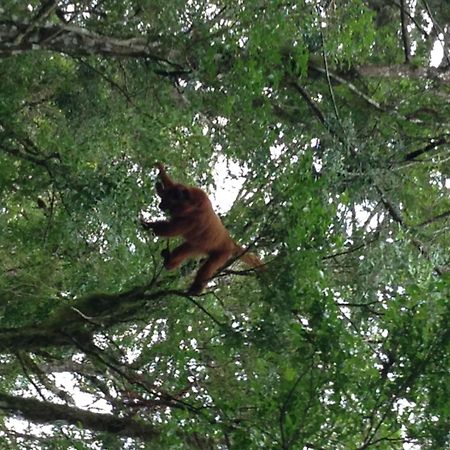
335, 115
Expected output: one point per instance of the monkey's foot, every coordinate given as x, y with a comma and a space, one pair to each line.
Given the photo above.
195, 289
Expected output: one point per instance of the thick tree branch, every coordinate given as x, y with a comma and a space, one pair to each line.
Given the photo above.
31, 338
24, 155
47, 412
75, 41
412, 18
77, 321
302, 91
400, 71
405, 35
24, 148
442, 140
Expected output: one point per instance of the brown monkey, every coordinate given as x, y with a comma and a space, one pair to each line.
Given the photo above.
193, 218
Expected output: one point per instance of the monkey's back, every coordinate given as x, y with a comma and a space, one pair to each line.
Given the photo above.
208, 233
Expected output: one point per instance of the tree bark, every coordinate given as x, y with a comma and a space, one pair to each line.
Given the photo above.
39, 337
15, 37
46, 412
75, 323
399, 71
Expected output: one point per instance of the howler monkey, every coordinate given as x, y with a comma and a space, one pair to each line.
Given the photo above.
191, 216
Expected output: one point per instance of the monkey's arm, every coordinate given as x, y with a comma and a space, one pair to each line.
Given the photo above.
166, 228
166, 181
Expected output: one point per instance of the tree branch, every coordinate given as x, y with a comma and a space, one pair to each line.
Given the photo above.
444, 215
350, 86
79, 319
400, 71
46, 412
397, 217
76, 41
44, 11
405, 35
442, 140
318, 113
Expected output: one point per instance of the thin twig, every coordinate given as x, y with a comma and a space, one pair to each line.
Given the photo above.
444, 215
199, 306
327, 72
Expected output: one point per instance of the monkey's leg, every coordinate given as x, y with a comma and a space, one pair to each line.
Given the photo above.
209, 268
175, 258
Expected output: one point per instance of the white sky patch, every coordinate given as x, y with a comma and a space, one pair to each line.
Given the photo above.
315, 142
28, 428
211, 11
404, 408
276, 151
437, 53
157, 331
437, 179
413, 46
229, 177
429, 23
67, 382
317, 163
222, 121
363, 212
242, 41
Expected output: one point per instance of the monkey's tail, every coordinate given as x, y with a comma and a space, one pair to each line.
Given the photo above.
249, 258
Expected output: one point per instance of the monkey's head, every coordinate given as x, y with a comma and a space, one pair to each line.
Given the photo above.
180, 200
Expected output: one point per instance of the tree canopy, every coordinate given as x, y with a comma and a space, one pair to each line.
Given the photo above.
335, 118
